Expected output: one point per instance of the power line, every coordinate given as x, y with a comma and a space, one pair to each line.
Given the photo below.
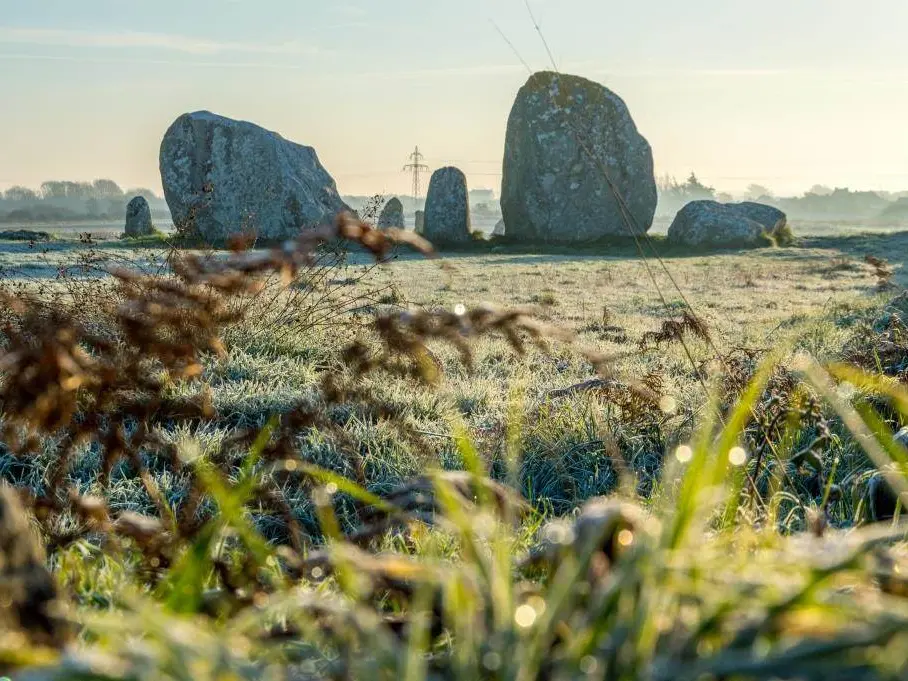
416, 167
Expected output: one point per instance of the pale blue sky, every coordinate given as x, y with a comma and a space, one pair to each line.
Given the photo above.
783, 92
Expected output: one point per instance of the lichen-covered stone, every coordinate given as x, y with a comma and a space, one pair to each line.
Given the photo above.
710, 223
562, 132
138, 218
447, 218
224, 177
392, 215
770, 217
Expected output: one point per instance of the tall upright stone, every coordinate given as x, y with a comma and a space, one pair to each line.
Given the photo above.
138, 218
420, 222
562, 133
392, 215
447, 208
224, 177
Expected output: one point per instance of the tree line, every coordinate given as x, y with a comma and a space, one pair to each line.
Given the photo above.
61, 200
818, 203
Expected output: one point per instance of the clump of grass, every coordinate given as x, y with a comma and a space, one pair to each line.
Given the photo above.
784, 236
882, 344
841, 264
545, 298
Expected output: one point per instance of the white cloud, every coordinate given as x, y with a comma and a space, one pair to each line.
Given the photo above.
53, 37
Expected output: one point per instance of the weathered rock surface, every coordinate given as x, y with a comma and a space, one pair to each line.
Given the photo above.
710, 223
138, 218
420, 224
392, 215
562, 131
447, 218
770, 217
224, 177
499, 228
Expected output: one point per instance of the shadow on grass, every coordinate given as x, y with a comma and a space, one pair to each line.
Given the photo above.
892, 245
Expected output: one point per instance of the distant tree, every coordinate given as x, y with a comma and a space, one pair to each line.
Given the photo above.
78, 190
820, 190
18, 193
147, 194
65, 189
840, 203
53, 189
755, 192
106, 189
673, 195
694, 189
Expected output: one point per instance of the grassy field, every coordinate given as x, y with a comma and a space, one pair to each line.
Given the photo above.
736, 542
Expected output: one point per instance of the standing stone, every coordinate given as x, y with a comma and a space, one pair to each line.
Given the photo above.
447, 208
709, 223
420, 224
392, 215
224, 177
562, 131
499, 228
138, 218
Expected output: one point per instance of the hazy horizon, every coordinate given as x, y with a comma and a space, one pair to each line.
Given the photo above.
781, 94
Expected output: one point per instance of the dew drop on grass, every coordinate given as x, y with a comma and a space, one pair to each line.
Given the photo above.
558, 533
684, 454
737, 456
491, 661
525, 616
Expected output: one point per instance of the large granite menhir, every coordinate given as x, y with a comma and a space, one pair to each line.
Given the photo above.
563, 132
224, 177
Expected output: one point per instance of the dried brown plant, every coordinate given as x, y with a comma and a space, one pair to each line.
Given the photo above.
71, 380
882, 270
673, 331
